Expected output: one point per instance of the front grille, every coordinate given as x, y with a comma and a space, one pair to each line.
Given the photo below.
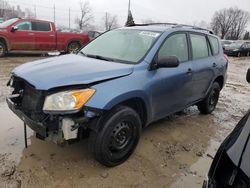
30, 100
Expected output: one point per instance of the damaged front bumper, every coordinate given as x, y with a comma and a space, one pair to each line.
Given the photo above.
35, 126
65, 127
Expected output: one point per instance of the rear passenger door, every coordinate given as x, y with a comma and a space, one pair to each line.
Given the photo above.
204, 65
45, 37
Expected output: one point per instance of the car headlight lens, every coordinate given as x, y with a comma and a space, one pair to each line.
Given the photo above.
67, 100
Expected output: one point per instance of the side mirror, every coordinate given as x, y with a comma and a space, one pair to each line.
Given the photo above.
14, 28
168, 62
248, 76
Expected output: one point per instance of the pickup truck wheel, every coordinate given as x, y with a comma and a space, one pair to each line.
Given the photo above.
73, 47
2, 49
118, 138
208, 105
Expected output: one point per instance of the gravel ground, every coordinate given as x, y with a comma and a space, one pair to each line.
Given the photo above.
173, 152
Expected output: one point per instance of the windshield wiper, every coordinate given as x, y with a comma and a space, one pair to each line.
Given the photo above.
97, 57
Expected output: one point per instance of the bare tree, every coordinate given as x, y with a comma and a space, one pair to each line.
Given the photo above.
230, 23
29, 14
4, 6
110, 21
246, 36
86, 15
7, 11
239, 24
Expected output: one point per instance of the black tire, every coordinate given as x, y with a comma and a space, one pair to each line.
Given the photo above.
73, 47
118, 138
3, 49
208, 105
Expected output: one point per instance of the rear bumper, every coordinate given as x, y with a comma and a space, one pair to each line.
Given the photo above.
35, 126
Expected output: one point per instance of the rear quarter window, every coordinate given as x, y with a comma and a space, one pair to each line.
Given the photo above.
41, 26
215, 44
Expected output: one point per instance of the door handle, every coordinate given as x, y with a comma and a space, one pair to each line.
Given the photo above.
31, 34
189, 71
52, 35
214, 65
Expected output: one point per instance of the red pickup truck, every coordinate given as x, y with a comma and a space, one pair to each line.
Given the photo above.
29, 35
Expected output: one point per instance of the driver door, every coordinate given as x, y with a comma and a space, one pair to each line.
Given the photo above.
172, 87
22, 38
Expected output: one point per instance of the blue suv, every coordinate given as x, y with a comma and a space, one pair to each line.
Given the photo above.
118, 84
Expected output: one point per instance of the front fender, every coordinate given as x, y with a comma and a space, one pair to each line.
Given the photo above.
107, 102
116, 91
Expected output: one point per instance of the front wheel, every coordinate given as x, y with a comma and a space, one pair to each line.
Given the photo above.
118, 137
208, 105
2, 49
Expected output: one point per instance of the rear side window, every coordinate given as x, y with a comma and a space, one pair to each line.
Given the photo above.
199, 46
215, 44
41, 26
175, 45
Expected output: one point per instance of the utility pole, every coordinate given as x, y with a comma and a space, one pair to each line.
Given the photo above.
106, 21
35, 10
69, 18
54, 13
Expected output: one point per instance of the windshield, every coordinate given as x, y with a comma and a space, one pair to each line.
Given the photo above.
236, 45
8, 22
122, 45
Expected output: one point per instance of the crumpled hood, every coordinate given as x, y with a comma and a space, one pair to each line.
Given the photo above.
69, 70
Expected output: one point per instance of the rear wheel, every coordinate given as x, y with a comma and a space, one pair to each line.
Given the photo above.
3, 49
118, 138
73, 47
208, 105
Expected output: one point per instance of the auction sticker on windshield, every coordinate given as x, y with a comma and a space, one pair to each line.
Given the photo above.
150, 34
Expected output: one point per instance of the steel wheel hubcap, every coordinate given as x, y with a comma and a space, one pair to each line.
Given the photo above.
120, 137
1, 49
73, 48
213, 98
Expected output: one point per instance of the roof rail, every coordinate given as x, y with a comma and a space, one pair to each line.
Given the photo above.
194, 27
175, 25
147, 24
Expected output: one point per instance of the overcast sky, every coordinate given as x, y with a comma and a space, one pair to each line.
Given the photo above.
180, 11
